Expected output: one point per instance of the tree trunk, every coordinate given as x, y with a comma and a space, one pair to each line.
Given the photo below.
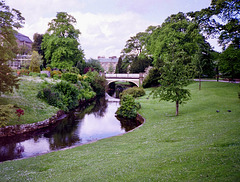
177, 107
200, 84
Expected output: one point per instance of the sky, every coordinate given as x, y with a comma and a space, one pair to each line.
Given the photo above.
105, 25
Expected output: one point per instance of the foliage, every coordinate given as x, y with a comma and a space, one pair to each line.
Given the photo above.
63, 95
36, 46
10, 19
60, 43
97, 82
134, 91
74, 70
151, 80
139, 64
70, 77
85, 91
229, 63
94, 64
226, 26
36, 61
119, 65
128, 108
111, 69
5, 114
56, 74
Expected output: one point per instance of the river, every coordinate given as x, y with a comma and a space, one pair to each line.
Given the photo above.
86, 124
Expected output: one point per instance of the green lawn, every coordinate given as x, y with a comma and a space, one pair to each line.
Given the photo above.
198, 145
25, 98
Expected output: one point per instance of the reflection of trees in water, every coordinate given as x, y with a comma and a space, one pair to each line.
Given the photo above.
98, 108
10, 151
64, 133
128, 124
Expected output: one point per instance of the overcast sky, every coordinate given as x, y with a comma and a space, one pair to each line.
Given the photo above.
105, 25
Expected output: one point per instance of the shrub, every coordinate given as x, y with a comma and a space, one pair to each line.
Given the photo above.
70, 77
6, 112
56, 74
152, 78
128, 108
134, 91
43, 75
97, 82
63, 95
74, 70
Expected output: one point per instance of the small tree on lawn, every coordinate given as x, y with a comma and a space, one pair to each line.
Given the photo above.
175, 75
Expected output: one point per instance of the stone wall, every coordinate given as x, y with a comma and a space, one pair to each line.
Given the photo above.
24, 128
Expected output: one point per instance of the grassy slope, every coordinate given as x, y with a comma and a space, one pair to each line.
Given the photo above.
25, 97
199, 145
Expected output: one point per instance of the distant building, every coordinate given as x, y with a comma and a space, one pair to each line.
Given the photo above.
108, 63
24, 49
24, 42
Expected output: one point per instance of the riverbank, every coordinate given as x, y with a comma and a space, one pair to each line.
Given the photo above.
198, 145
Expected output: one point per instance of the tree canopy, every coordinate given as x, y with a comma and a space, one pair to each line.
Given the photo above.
60, 43
10, 20
221, 19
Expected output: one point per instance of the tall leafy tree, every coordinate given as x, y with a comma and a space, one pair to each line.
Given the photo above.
10, 20
60, 43
173, 45
230, 62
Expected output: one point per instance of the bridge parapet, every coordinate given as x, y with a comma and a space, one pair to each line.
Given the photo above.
121, 75
134, 78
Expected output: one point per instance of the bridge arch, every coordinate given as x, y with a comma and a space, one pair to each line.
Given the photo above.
137, 79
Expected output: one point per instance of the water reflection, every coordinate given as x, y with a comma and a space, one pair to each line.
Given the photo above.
86, 124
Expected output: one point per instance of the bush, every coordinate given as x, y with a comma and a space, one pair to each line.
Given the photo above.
134, 91
70, 77
74, 70
97, 82
6, 112
63, 95
56, 74
128, 108
152, 78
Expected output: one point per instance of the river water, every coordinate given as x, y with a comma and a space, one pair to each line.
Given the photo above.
86, 124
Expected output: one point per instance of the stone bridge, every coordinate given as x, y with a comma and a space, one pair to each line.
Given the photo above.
137, 79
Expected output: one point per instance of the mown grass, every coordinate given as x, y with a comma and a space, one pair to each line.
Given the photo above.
25, 98
198, 145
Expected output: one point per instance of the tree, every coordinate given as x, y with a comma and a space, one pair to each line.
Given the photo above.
175, 75
95, 64
230, 62
10, 19
227, 24
111, 69
119, 66
173, 45
36, 46
139, 64
36, 61
60, 43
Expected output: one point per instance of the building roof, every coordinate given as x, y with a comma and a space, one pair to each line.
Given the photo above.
23, 38
108, 60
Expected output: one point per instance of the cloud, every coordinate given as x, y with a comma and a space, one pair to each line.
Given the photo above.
106, 34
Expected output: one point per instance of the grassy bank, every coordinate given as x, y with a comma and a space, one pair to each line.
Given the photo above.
25, 98
198, 145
